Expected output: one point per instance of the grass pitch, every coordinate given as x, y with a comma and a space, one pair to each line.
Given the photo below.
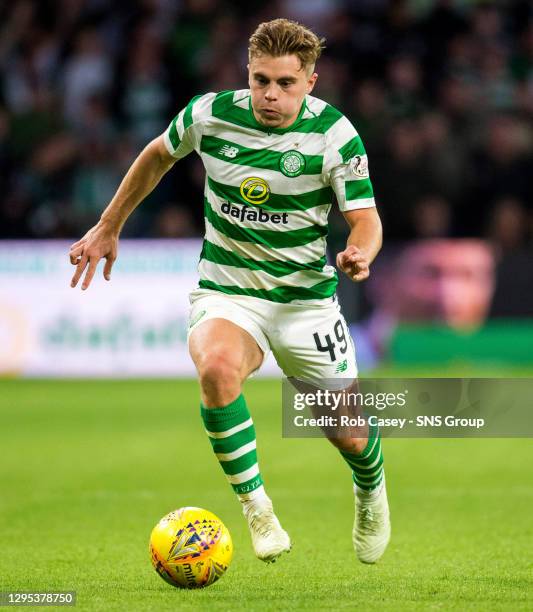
88, 468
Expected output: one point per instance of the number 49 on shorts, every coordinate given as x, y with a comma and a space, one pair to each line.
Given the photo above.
328, 345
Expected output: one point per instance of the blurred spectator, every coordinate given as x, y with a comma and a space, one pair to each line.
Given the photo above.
446, 156
174, 221
495, 89
402, 178
333, 81
441, 92
460, 60
509, 226
457, 100
34, 124
513, 296
502, 167
432, 217
87, 72
190, 41
444, 28
522, 59
5, 157
406, 95
49, 183
487, 25
146, 98
224, 68
400, 32
311, 12
95, 180
372, 116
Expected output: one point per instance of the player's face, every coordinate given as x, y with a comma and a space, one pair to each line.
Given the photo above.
278, 86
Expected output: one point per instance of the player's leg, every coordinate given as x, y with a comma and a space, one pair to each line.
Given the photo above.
312, 344
225, 354
371, 530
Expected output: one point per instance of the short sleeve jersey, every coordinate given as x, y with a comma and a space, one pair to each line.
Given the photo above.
268, 193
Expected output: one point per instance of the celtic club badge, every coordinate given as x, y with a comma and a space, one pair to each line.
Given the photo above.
292, 163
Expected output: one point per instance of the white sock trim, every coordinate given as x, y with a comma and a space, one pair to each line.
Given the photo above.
257, 495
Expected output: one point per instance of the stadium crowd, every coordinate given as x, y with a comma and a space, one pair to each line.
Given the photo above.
440, 91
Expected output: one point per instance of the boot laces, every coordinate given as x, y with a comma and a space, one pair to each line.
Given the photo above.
261, 523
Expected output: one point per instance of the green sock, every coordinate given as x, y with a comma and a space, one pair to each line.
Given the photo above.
367, 467
232, 435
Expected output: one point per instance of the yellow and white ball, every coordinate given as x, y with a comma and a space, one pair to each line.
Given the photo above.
190, 548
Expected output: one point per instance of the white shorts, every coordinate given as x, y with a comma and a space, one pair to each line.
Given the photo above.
310, 342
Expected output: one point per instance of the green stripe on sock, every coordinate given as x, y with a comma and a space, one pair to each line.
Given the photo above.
367, 467
362, 462
222, 419
233, 442
236, 466
368, 486
372, 473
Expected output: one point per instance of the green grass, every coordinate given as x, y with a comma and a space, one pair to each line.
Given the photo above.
87, 469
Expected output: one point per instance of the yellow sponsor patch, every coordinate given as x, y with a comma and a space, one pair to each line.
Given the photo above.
255, 190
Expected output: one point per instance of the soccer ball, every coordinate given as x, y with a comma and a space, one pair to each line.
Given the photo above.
190, 548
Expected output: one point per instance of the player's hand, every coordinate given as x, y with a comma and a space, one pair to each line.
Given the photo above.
99, 242
353, 263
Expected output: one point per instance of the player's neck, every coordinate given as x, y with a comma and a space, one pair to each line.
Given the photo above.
281, 126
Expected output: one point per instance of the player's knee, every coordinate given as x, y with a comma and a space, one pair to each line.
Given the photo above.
349, 445
219, 372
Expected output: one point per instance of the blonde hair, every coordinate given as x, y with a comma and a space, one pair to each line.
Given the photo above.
285, 37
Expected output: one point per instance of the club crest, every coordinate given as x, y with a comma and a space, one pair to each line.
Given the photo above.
292, 163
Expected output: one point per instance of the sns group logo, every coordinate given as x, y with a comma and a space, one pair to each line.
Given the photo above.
254, 190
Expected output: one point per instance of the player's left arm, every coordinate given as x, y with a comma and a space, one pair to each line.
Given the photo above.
363, 244
347, 167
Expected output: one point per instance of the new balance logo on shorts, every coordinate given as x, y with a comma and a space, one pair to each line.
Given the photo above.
249, 213
342, 366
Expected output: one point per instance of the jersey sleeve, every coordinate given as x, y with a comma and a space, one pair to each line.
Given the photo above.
184, 133
347, 167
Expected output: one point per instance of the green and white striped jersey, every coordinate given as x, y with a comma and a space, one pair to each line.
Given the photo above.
268, 192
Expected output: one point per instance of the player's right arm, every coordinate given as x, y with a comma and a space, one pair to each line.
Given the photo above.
182, 136
101, 241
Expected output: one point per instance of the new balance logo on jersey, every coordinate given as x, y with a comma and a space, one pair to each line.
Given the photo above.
247, 213
228, 151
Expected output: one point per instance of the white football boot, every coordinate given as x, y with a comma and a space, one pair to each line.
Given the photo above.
372, 529
269, 539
